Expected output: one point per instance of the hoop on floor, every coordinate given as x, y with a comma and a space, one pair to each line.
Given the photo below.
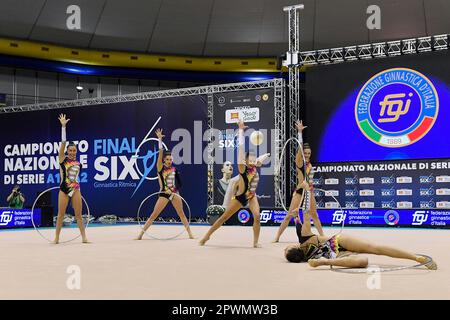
168, 238
375, 269
44, 237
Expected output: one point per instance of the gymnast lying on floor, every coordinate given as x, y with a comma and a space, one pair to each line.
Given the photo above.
340, 250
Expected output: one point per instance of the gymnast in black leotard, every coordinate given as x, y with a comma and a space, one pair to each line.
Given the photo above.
304, 190
245, 193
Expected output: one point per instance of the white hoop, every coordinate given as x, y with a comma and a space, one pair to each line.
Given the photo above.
277, 171
375, 269
156, 238
44, 237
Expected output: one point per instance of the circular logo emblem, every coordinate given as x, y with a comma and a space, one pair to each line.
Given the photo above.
243, 216
265, 97
396, 107
221, 100
391, 217
258, 98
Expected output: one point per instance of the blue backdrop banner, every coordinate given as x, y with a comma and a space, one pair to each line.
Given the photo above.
117, 148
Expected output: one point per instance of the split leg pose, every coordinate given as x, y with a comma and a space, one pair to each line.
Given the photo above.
169, 184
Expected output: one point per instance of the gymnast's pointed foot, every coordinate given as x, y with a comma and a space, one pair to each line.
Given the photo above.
256, 245
431, 265
203, 241
276, 240
56, 241
85, 240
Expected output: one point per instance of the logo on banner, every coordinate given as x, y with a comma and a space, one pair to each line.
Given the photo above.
391, 217
147, 157
387, 192
404, 205
404, 180
331, 181
351, 204
221, 100
247, 115
441, 179
387, 180
228, 140
404, 192
396, 107
351, 181
427, 204
366, 181
243, 216
443, 205
419, 217
367, 193
331, 205
318, 181
320, 204
443, 192
318, 193
265, 97
427, 192
5, 218
426, 179
338, 217
367, 205
388, 204
351, 193
265, 216
332, 193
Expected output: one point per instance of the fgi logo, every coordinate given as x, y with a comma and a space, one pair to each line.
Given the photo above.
5, 218
266, 215
338, 217
419, 217
396, 107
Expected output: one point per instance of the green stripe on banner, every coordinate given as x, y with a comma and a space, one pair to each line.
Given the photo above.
369, 131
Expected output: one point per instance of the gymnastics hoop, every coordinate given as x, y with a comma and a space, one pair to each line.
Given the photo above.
378, 270
168, 238
277, 171
44, 237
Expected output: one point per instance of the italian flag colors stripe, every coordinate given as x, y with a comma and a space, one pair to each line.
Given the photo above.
420, 131
369, 131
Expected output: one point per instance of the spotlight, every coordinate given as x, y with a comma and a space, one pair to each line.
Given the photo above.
79, 88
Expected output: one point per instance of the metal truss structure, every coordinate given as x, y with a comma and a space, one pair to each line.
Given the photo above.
376, 50
209, 91
293, 63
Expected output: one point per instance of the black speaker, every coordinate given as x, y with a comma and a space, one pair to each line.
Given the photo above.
44, 200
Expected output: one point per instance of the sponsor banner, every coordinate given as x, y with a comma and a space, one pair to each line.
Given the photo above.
117, 148
388, 184
256, 109
364, 217
18, 218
